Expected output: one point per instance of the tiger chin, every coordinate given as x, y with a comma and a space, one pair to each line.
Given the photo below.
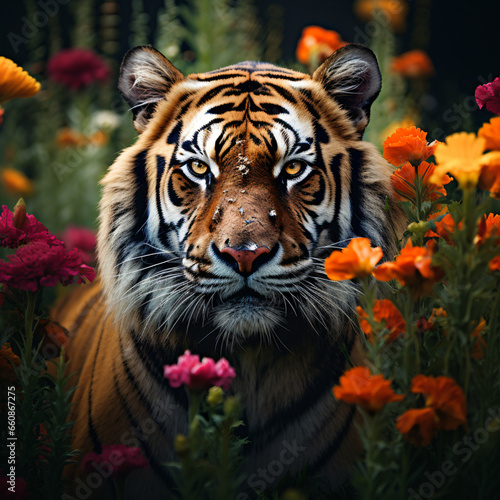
214, 227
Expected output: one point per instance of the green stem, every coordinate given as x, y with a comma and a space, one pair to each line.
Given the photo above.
29, 318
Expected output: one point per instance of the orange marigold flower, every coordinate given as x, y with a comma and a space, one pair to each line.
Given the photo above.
357, 260
99, 138
386, 313
480, 343
489, 179
412, 268
15, 82
15, 182
489, 227
391, 129
460, 156
413, 64
404, 181
444, 229
445, 397
408, 145
316, 44
491, 133
370, 392
67, 137
419, 426
393, 10
494, 264
438, 312
7, 360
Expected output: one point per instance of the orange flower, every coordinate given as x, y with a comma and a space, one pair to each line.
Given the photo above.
7, 360
437, 313
67, 137
357, 260
408, 145
445, 397
53, 336
393, 10
99, 138
316, 44
444, 229
391, 129
480, 343
489, 227
489, 178
461, 156
15, 182
494, 264
407, 180
413, 64
419, 426
371, 392
1, 115
412, 268
14, 82
386, 313
491, 133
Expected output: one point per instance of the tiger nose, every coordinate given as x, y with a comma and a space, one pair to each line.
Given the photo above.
245, 259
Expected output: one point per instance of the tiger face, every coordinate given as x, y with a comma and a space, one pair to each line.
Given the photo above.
216, 223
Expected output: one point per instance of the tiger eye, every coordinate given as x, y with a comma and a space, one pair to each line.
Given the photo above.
294, 168
198, 167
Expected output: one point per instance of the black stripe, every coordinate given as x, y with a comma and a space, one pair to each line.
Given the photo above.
164, 228
212, 93
332, 448
283, 92
335, 165
153, 461
89, 304
356, 195
92, 430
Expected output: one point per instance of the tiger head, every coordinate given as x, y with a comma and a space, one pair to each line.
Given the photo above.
216, 223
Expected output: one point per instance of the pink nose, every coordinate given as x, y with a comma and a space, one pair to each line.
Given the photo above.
245, 258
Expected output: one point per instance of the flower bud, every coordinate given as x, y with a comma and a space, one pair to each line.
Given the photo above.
19, 215
232, 407
215, 396
181, 446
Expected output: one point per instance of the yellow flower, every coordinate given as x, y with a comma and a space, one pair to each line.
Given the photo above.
461, 155
14, 82
16, 182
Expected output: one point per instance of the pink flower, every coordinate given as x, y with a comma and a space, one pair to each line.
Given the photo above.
16, 231
199, 375
39, 264
83, 239
119, 458
77, 68
21, 492
489, 95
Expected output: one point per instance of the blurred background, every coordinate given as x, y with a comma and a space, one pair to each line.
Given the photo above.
55, 146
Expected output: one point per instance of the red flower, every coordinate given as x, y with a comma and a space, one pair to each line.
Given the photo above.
199, 375
83, 239
120, 458
488, 96
19, 229
77, 68
39, 264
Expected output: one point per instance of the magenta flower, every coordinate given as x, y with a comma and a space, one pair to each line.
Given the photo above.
14, 233
21, 490
119, 458
83, 239
77, 68
489, 95
40, 264
199, 375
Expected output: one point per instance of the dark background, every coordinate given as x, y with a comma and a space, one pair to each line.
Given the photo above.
463, 41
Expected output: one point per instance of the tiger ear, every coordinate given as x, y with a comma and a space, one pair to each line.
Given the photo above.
146, 76
351, 76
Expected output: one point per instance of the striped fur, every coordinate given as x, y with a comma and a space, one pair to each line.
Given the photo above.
165, 286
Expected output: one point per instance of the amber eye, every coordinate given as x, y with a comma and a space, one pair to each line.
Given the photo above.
198, 167
294, 168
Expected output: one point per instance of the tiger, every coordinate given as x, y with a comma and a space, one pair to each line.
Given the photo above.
213, 230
